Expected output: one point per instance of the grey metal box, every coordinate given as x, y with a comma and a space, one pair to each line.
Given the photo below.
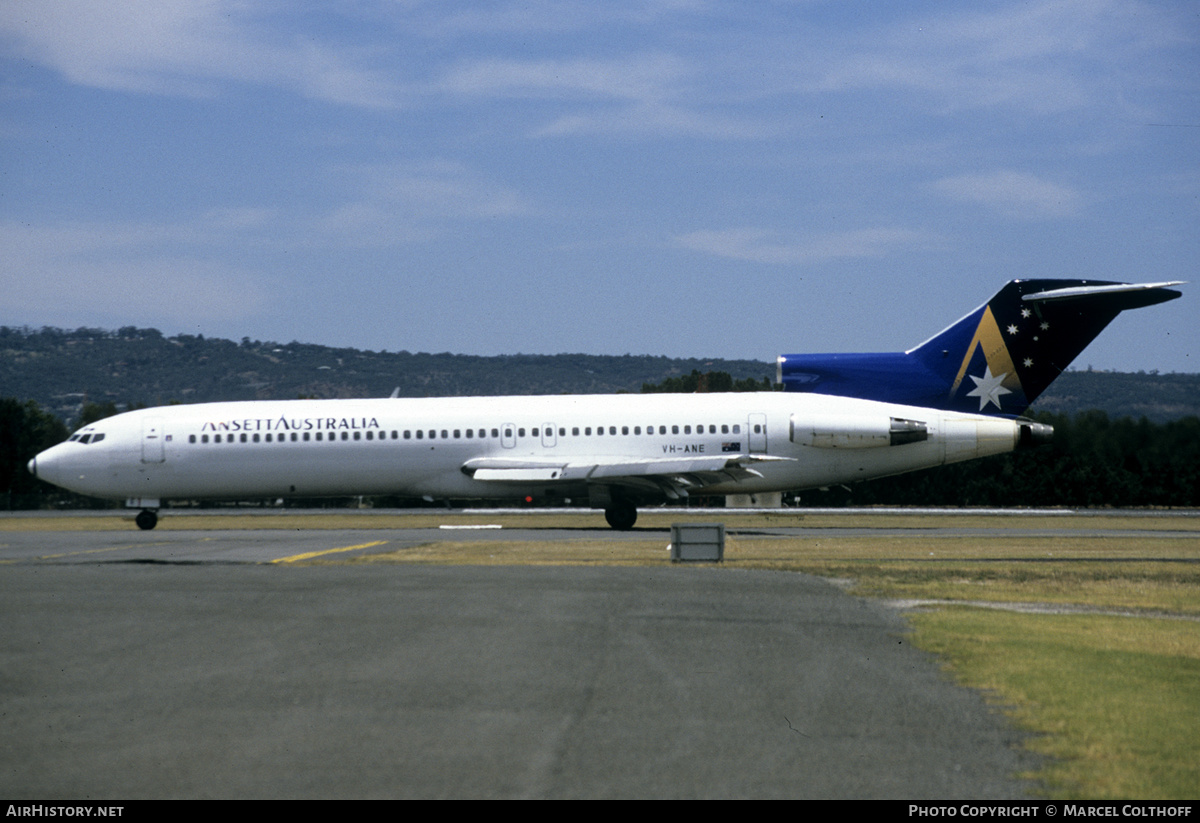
698, 542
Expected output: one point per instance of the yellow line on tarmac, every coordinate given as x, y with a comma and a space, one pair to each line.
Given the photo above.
309, 555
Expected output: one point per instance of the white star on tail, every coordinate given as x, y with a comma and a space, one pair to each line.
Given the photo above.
988, 388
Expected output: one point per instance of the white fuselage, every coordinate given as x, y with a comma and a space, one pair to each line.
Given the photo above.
435, 447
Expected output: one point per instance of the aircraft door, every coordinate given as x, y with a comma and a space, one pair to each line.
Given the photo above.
152, 441
508, 435
756, 433
549, 438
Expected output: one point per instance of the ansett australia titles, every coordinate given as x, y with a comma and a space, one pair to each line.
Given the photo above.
295, 424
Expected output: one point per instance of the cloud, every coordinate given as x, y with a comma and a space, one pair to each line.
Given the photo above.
764, 246
186, 47
399, 203
1048, 56
1011, 193
642, 77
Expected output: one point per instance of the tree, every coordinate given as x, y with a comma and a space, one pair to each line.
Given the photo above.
25, 430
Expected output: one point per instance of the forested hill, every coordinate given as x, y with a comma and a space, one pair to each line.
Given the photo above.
140, 367
60, 370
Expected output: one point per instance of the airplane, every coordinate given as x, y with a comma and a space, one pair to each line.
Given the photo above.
842, 418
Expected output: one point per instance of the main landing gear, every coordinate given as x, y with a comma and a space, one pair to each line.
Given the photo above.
146, 520
621, 516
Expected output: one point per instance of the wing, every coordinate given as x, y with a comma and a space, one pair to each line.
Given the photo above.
674, 477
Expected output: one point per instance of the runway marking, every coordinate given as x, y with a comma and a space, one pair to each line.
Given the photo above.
309, 555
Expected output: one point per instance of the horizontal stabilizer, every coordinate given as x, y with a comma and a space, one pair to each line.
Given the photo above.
1115, 288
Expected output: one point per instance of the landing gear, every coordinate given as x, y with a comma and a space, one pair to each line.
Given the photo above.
621, 516
146, 520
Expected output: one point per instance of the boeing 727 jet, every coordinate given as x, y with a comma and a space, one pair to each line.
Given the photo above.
841, 418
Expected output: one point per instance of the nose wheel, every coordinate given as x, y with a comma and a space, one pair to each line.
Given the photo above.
146, 520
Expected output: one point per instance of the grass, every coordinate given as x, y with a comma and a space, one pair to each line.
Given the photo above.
1113, 702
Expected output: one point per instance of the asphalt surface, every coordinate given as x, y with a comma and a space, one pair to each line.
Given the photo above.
182, 665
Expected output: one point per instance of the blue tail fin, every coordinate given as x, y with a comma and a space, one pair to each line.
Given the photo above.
996, 360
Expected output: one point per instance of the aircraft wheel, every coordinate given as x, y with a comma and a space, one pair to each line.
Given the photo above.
622, 516
147, 520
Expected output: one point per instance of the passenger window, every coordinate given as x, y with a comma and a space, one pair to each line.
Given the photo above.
520, 432
674, 430
662, 429
575, 431
737, 428
357, 435
599, 430
458, 434
306, 437
420, 434
495, 432
624, 430
533, 432
612, 429
191, 438
508, 432
637, 429
687, 429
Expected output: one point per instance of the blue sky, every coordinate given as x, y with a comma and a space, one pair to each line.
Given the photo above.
702, 179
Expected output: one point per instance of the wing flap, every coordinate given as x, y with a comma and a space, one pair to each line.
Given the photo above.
678, 472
